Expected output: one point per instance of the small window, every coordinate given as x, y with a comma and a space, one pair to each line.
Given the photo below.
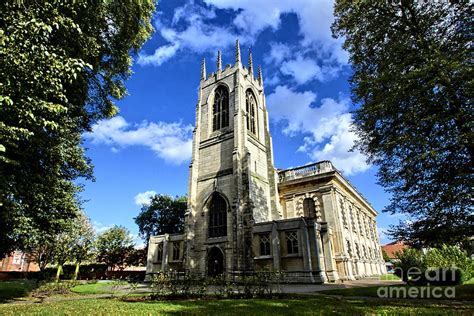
292, 242
308, 208
265, 244
349, 249
176, 251
159, 252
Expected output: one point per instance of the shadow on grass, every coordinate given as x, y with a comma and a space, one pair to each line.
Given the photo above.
13, 289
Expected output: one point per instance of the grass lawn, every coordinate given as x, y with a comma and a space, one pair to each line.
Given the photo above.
98, 288
462, 292
15, 289
294, 306
389, 277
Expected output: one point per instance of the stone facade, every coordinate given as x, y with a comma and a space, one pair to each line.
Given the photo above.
244, 215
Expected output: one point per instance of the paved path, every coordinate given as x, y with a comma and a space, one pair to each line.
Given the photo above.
312, 288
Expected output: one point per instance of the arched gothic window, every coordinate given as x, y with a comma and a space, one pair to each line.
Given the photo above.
217, 216
220, 109
251, 107
308, 207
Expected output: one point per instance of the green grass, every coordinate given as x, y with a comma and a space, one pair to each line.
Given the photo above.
462, 292
15, 289
294, 306
98, 288
389, 277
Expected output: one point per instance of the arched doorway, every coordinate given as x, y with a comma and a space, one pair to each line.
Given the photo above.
215, 262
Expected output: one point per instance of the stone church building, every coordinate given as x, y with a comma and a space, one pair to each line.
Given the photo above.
245, 215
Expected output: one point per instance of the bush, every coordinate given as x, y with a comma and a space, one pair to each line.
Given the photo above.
180, 285
51, 288
451, 257
447, 265
409, 262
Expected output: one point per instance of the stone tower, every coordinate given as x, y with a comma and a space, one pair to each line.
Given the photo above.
232, 180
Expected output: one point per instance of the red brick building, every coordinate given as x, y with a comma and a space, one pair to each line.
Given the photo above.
18, 261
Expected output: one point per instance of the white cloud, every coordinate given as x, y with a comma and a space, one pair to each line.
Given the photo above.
99, 227
198, 35
160, 55
170, 141
193, 28
314, 17
302, 70
278, 52
328, 127
144, 198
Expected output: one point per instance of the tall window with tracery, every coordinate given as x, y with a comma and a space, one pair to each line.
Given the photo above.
251, 108
220, 109
292, 242
265, 244
217, 216
176, 251
159, 252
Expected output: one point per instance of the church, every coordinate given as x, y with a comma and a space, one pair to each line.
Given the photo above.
309, 223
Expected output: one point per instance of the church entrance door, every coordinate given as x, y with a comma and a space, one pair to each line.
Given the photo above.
215, 262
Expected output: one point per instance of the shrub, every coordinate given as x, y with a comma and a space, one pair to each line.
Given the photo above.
451, 257
51, 288
409, 262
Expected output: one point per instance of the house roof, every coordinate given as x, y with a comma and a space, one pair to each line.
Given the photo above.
394, 247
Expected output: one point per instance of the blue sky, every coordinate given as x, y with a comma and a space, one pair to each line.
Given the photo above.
147, 147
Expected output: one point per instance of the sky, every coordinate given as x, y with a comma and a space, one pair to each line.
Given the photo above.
146, 149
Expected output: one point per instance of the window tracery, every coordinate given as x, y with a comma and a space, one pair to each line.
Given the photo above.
220, 109
251, 108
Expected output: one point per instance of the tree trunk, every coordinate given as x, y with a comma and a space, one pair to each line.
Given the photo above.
76, 272
59, 271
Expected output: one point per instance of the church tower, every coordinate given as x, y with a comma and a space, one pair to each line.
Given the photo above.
232, 180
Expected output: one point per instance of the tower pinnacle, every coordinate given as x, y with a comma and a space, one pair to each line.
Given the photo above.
219, 61
250, 62
237, 52
203, 69
260, 76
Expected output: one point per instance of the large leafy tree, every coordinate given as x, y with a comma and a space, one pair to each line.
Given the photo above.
163, 215
413, 79
62, 64
114, 247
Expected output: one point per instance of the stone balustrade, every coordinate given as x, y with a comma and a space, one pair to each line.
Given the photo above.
305, 171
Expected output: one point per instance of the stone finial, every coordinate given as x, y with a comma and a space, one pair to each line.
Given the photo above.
250, 63
219, 61
203, 69
237, 52
260, 76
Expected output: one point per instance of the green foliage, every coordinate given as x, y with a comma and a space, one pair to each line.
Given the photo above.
73, 244
386, 258
181, 285
15, 289
52, 288
445, 265
62, 64
164, 215
413, 79
448, 257
114, 246
406, 260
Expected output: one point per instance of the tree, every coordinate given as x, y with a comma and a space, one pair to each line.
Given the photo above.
73, 244
114, 246
163, 215
413, 80
62, 64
